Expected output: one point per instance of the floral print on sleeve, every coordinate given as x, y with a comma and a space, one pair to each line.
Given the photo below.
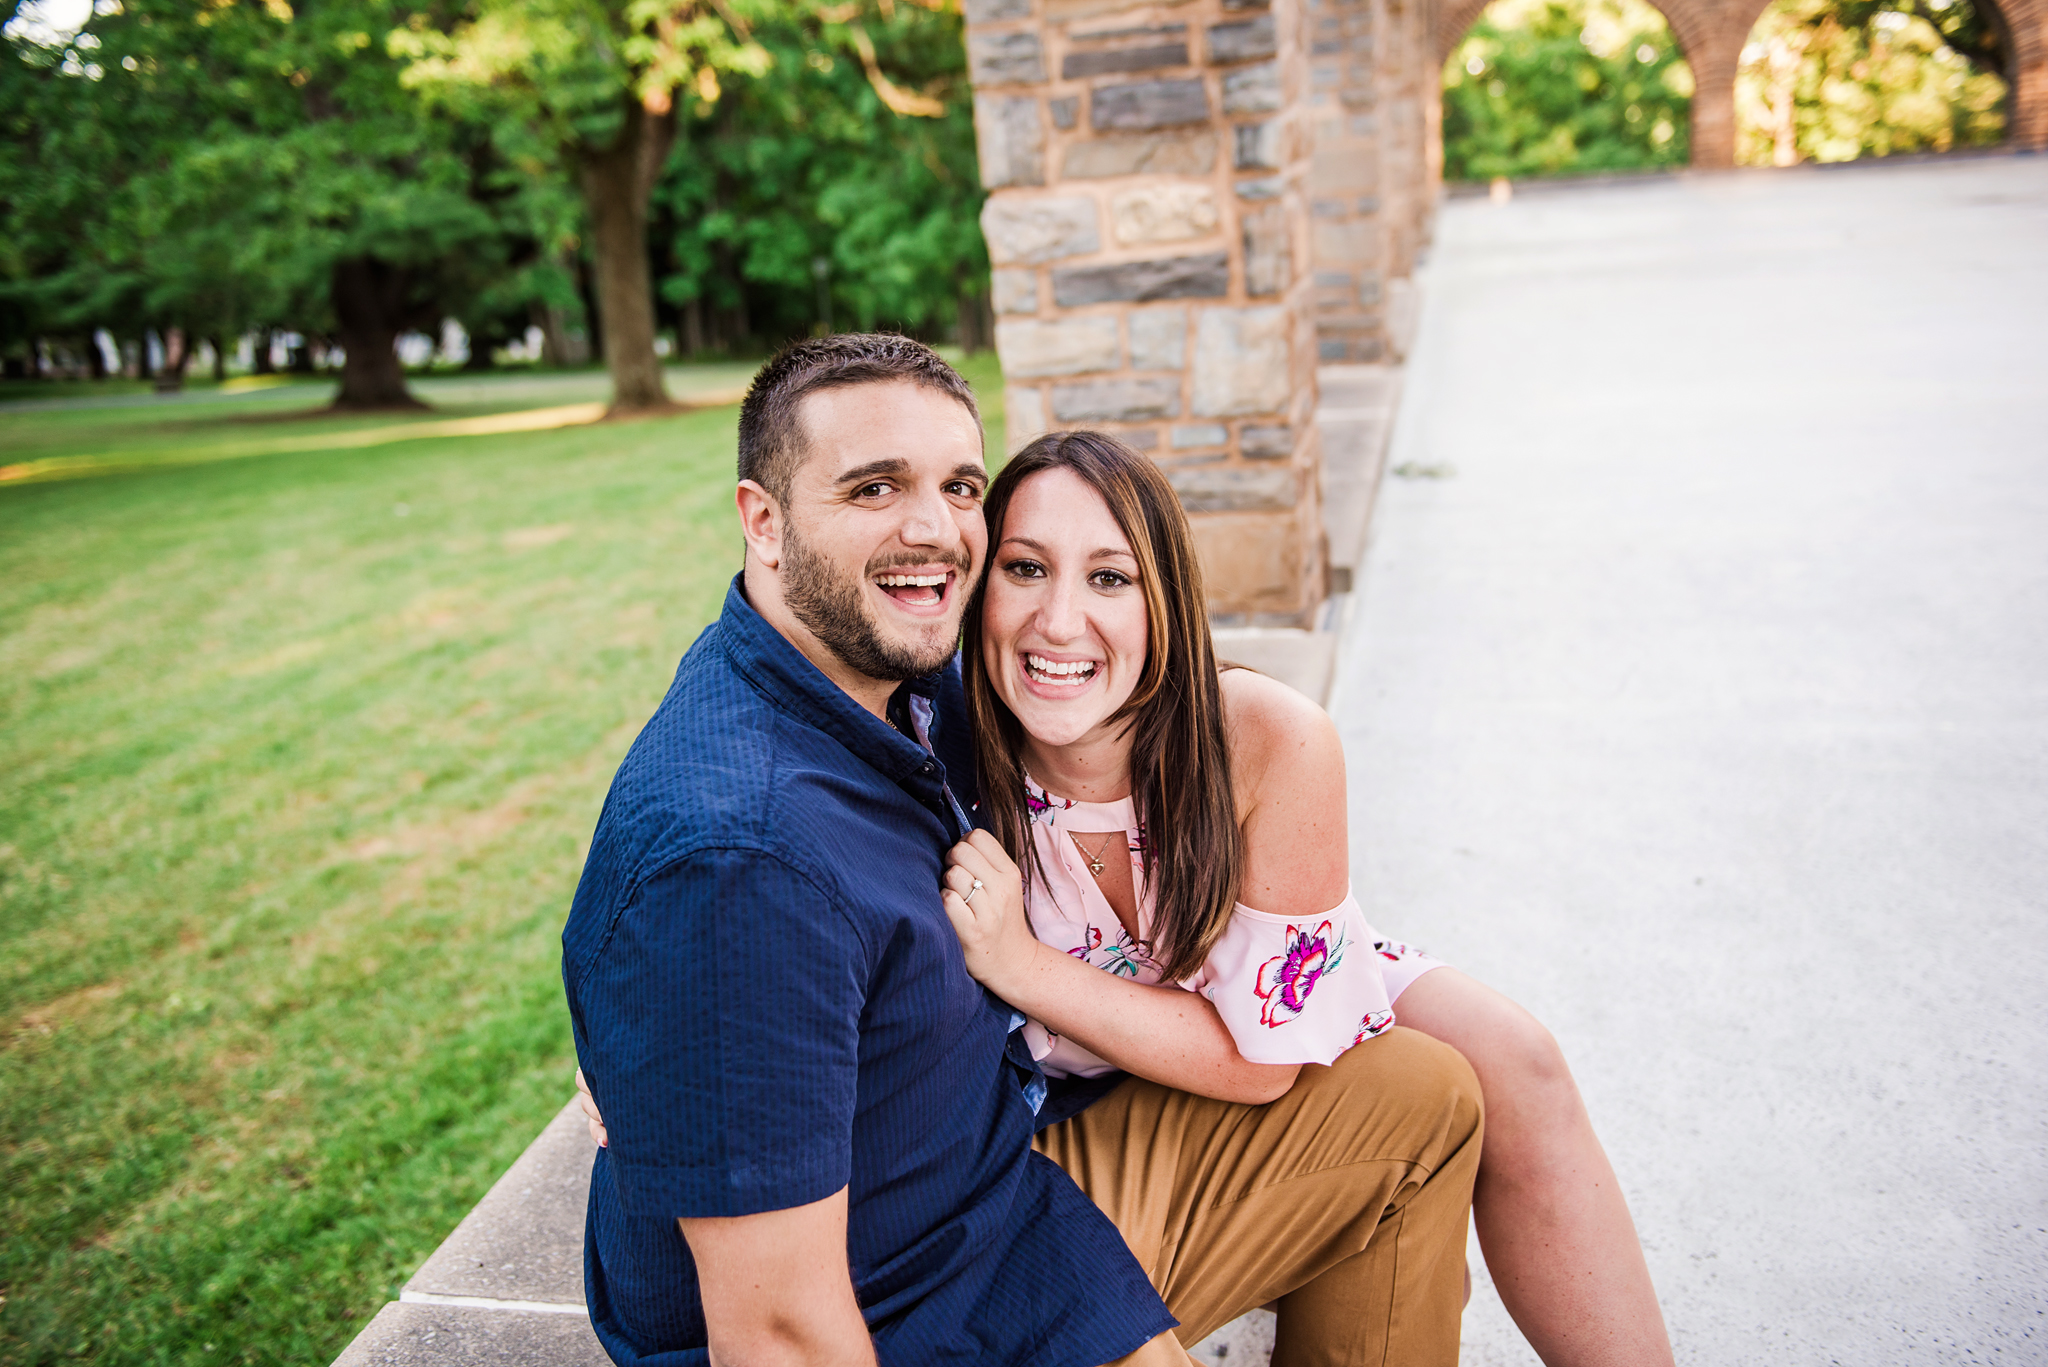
1286, 980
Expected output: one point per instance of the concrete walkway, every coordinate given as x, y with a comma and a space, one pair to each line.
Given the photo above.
1697, 697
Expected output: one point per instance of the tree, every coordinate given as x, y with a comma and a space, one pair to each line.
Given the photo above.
605, 83
229, 164
1563, 86
807, 198
1832, 80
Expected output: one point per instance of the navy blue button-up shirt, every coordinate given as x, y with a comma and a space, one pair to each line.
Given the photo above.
770, 1004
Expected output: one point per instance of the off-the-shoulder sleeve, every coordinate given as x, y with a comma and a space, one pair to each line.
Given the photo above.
1297, 989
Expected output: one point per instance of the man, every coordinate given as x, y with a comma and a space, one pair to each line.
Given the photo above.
820, 1133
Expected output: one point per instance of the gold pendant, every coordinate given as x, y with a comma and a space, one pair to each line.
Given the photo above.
1095, 867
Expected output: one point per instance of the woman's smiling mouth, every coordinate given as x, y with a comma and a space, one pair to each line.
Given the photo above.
1058, 673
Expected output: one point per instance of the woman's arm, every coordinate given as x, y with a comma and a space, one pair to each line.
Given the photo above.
1163, 1033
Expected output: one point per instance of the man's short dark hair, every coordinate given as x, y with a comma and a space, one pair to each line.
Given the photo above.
771, 433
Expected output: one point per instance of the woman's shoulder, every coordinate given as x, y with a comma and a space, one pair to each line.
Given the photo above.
1269, 724
1287, 771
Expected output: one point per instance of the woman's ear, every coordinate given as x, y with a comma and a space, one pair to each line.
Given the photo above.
760, 522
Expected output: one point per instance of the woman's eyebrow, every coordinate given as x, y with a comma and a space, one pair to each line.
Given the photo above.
1102, 553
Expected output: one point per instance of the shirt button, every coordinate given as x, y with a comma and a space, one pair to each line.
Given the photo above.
926, 767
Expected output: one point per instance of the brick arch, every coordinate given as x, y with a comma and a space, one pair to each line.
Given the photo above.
1711, 35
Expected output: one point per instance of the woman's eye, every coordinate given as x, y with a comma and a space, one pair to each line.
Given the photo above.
1025, 569
1109, 579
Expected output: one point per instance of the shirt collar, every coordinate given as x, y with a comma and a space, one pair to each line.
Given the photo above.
780, 673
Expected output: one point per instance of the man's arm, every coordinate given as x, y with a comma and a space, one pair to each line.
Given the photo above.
776, 1288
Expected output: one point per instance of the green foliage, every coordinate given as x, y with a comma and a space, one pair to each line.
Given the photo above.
214, 162
808, 163
1833, 80
1558, 87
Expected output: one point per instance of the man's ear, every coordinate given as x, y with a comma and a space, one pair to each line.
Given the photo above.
760, 523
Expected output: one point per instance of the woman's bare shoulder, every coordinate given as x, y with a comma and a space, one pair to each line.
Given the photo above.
1272, 728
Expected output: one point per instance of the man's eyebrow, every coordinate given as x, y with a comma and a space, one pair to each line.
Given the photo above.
893, 466
1101, 553
967, 469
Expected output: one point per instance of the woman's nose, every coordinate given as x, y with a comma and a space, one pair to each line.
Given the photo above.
1061, 617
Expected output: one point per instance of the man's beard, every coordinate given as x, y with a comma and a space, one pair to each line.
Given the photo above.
836, 612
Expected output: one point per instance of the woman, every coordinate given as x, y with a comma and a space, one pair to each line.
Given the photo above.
1183, 828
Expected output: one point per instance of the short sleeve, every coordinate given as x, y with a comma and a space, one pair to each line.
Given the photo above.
1297, 989
720, 1033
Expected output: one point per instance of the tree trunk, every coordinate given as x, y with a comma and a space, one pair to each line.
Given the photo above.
177, 354
616, 182
693, 327
591, 347
260, 354
369, 303
220, 360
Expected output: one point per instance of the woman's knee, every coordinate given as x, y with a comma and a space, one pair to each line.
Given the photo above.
1516, 1057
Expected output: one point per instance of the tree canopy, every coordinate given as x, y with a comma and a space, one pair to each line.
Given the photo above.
1561, 86
737, 170
1833, 80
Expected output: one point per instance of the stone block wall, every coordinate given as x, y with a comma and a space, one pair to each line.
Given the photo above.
1148, 227
1373, 176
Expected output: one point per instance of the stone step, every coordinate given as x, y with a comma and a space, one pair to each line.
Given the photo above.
506, 1288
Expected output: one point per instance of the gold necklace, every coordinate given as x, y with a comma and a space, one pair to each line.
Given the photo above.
1095, 864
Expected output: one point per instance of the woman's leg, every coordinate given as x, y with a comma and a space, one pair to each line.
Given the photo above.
1551, 1217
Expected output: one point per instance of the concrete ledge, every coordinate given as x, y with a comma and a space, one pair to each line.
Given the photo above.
1302, 660
1355, 415
524, 1240
407, 1334
506, 1288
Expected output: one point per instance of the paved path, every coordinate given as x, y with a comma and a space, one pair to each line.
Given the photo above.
1702, 705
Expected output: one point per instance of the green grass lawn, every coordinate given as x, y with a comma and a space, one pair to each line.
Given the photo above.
298, 757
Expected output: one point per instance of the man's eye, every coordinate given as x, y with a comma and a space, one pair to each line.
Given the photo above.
875, 490
962, 488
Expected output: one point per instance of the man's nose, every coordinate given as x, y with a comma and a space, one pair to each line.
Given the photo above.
928, 520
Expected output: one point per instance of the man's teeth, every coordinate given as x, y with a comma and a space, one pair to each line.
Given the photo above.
910, 581
1066, 673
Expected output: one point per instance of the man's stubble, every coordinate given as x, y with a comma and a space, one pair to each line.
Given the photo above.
832, 606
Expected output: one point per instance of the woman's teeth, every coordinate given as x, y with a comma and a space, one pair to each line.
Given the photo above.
1061, 674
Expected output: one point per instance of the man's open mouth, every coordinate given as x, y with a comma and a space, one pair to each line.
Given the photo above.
1058, 673
916, 590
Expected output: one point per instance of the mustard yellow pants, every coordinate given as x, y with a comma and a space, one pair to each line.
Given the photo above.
1345, 1201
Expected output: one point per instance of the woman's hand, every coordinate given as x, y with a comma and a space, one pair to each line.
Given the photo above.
984, 897
589, 1105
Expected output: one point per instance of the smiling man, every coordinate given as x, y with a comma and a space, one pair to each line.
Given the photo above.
819, 1127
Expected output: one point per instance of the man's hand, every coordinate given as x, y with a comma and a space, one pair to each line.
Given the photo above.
989, 918
589, 1105
776, 1288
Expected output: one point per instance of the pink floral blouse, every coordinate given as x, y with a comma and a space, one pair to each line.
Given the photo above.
1297, 989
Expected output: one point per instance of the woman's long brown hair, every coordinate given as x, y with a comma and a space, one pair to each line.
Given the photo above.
1180, 768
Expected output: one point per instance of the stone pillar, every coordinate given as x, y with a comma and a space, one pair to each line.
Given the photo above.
1148, 229
1373, 94
2026, 25
1713, 52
